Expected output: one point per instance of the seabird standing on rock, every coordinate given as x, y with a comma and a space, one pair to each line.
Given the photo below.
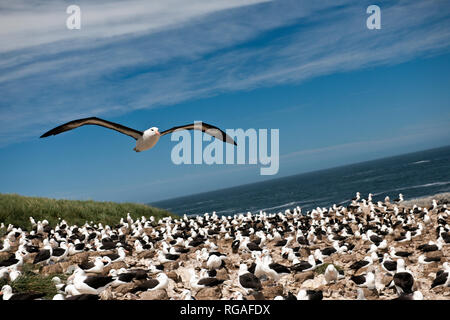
204, 280
427, 260
14, 260
144, 139
90, 284
367, 261
5, 246
405, 238
215, 261
161, 282
399, 254
367, 281
400, 198
331, 273
403, 282
92, 267
442, 277
431, 246
121, 278
388, 264
119, 256
302, 266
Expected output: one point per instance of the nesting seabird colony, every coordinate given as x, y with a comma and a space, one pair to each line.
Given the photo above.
365, 250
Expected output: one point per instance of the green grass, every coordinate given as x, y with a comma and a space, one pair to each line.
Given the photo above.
32, 281
16, 210
321, 269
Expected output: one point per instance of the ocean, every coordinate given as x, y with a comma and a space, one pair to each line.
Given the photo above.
414, 175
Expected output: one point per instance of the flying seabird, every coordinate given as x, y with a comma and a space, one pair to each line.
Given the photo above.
144, 139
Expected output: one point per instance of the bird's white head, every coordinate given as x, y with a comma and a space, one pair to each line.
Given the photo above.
154, 131
148, 139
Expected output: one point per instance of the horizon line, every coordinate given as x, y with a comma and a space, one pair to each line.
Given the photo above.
297, 174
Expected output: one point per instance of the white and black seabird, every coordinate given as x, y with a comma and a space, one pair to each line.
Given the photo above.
144, 139
204, 280
161, 282
7, 294
44, 255
403, 282
367, 281
442, 277
90, 284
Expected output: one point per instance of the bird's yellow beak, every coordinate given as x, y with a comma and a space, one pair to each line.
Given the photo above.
157, 132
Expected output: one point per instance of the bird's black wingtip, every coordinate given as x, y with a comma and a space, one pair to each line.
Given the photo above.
45, 135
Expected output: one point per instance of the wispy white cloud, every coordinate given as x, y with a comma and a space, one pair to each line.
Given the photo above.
25, 23
141, 54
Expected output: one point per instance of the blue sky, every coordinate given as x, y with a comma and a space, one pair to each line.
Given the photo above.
338, 92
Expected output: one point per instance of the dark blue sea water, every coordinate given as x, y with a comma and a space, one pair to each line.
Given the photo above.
415, 175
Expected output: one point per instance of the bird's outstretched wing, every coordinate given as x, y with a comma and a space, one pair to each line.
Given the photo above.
94, 121
207, 128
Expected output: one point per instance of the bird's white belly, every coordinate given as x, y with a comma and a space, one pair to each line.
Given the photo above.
146, 142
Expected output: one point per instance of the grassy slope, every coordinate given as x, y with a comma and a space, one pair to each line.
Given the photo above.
16, 209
